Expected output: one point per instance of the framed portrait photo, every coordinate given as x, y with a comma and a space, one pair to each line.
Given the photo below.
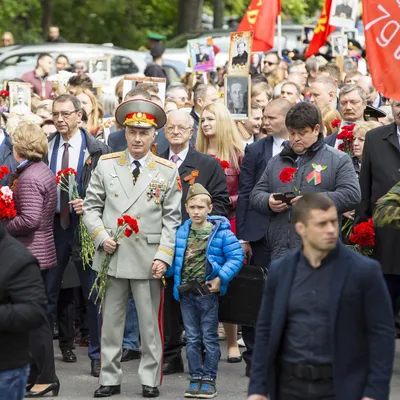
100, 70
308, 33
201, 54
343, 13
240, 52
339, 45
20, 98
130, 83
237, 95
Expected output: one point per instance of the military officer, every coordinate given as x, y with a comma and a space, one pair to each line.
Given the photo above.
148, 188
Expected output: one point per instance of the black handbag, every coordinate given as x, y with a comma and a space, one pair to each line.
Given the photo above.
241, 303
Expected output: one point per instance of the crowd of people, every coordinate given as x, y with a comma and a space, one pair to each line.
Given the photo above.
207, 194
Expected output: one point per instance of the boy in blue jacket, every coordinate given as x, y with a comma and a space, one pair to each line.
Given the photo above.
207, 256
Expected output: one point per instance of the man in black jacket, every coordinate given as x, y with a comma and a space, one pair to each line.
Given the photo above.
193, 167
325, 327
74, 148
22, 310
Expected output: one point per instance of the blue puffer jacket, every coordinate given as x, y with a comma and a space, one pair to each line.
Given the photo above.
224, 254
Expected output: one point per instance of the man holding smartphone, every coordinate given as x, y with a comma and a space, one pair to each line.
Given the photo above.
319, 168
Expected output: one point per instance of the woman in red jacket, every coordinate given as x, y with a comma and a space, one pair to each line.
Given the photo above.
219, 137
35, 196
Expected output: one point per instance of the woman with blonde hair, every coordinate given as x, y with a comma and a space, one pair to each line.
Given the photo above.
35, 196
219, 137
94, 113
328, 116
250, 128
261, 93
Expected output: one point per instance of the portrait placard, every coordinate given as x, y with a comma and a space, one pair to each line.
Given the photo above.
100, 70
20, 98
201, 54
130, 83
107, 124
237, 95
343, 13
240, 52
339, 45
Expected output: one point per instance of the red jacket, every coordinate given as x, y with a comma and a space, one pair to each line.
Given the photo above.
35, 196
41, 86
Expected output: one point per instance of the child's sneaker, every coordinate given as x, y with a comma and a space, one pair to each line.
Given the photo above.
208, 389
193, 389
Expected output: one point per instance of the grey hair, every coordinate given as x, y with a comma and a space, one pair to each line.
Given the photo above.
351, 88
292, 84
175, 86
189, 118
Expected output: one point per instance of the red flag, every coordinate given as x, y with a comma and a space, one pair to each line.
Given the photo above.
382, 35
321, 31
261, 17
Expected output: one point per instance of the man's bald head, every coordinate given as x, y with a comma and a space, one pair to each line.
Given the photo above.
281, 105
274, 118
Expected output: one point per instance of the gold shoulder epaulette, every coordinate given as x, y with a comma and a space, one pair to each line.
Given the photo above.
111, 155
165, 162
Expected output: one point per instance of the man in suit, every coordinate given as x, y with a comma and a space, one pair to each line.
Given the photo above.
352, 103
202, 56
148, 188
179, 130
343, 10
340, 46
6, 156
380, 171
325, 328
75, 148
117, 140
251, 225
242, 56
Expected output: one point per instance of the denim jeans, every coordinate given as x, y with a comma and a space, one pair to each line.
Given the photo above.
131, 334
13, 382
200, 318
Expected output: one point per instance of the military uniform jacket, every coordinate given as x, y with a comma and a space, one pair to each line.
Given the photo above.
154, 201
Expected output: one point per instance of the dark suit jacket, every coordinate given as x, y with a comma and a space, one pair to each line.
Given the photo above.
361, 319
250, 224
7, 159
380, 171
202, 58
196, 120
117, 141
342, 9
331, 139
211, 176
241, 60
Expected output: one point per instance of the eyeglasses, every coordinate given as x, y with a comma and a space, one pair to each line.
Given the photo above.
64, 114
270, 63
171, 129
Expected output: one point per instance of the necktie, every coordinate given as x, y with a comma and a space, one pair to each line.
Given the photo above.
64, 196
136, 171
175, 158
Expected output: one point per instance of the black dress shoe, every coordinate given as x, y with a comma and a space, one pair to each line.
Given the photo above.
68, 356
56, 333
95, 368
107, 391
173, 367
54, 388
234, 360
128, 355
149, 391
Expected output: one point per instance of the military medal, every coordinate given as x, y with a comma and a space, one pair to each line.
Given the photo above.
156, 189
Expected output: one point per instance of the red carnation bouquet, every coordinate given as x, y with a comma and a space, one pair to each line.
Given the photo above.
126, 226
346, 135
224, 164
363, 238
7, 205
288, 175
64, 179
336, 123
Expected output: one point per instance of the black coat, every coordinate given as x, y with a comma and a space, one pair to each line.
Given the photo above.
22, 301
331, 139
250, 224
380, 171
211, 176
362, 334
7, 159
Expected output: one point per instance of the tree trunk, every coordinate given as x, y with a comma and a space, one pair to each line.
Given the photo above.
47, 16
189, 15
218, 14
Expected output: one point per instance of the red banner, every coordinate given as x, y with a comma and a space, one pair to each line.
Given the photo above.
261, 17
382, 35
321, 31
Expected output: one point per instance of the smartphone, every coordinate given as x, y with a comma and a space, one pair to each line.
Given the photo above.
285, 197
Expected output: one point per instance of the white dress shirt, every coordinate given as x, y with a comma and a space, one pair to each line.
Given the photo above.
277, 146
182, 156
398, 135
142, 162
2, 136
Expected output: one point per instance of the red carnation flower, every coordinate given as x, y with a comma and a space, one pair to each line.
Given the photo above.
4, 171
58, 179
363, 234
120, 221
336, 123
341, 147
128, 232
287, 174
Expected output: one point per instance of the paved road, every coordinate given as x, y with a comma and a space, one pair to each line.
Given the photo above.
78, 384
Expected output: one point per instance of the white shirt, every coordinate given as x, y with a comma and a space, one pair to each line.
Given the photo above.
398, 135
182, 156
142, 162
277, 146
75, 144
2, 136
